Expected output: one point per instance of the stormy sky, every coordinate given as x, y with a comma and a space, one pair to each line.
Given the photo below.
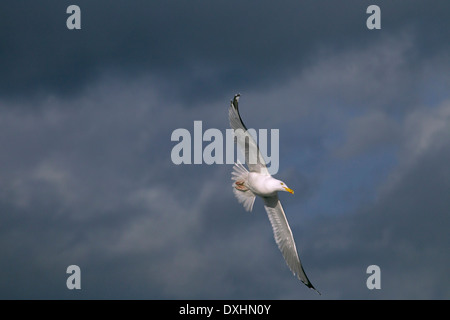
86, 177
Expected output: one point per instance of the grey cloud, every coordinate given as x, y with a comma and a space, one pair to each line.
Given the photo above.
94, 180
401, 228
368, 132
189, 46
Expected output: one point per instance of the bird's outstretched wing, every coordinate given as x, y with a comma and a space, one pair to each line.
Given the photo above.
244, 140
284, 238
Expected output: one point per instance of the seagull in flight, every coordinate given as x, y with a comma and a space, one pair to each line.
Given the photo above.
258, 182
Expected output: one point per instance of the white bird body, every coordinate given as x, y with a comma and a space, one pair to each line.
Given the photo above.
262, 185
258, 182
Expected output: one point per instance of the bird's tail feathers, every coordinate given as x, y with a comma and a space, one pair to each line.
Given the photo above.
239, 172
240, 186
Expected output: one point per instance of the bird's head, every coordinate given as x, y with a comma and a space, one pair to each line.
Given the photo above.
281, 186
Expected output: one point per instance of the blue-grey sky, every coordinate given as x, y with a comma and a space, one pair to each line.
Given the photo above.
86, 177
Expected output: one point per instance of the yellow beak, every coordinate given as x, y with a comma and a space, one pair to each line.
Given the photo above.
289, 190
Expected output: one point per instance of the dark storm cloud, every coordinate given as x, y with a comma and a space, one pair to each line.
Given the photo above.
190, 45
89, 181
401, 231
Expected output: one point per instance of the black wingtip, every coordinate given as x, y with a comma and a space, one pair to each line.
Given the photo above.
316, 291
235, 100
312, 287
309, 285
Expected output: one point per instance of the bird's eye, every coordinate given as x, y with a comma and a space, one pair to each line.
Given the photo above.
281, 183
